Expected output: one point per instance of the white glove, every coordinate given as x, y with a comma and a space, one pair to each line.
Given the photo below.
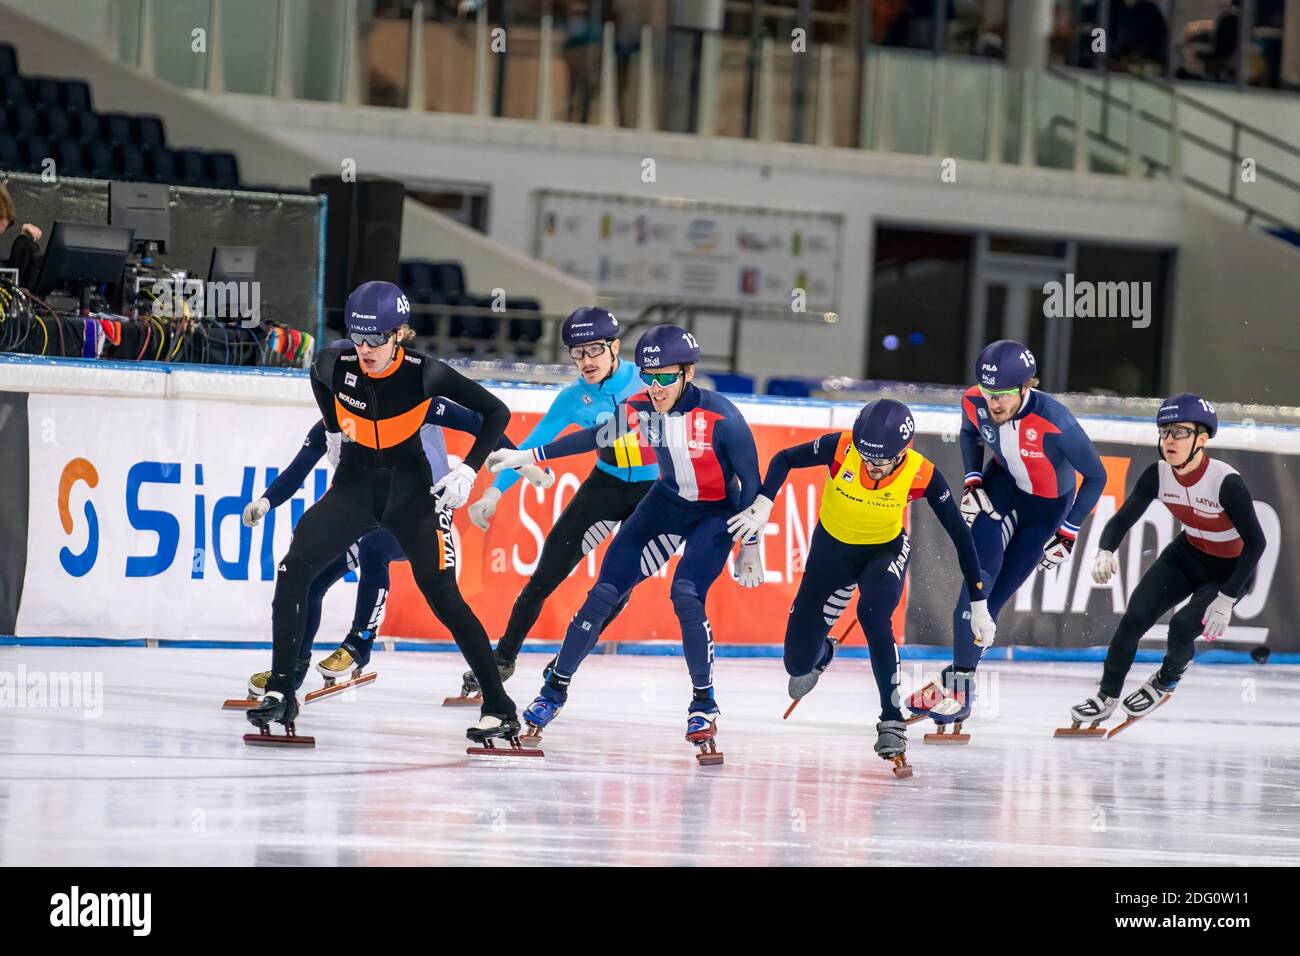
481, 511
333, 443
255, 511
537, 476
1104, 566
982, 625
749, 565
452, 490
1057, 550
976, 501
1217, 616
752, 522
514, 458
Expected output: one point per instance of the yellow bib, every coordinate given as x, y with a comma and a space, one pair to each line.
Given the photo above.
857, 510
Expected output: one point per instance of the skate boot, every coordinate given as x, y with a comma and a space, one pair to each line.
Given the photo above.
278, 705
954, 709
491, 728
554, 694
257, 686
470, 691
702, 726
931, 693
1145, 699
352, 656
802, 685
891, 745
1092, 711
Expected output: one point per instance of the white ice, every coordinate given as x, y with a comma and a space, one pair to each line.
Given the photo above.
160, 775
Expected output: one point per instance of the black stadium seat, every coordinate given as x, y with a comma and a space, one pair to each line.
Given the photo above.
10, 156
76, 95
149, 131
223, 170
161, 164
36, 150
13, 89
8, 60
189, 168
43, 89
97, 157
54, 121
85, 126
67, 156
128, 162
116, 128
23, 120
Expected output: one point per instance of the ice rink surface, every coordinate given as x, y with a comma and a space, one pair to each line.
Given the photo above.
161, 775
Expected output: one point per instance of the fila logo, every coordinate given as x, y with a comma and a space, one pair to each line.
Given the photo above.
983, 412
282, 568
349, 379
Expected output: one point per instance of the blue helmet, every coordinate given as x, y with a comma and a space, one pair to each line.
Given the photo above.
1005, 364
666, 345
588, 324
1186, 407
883, 429
376, 307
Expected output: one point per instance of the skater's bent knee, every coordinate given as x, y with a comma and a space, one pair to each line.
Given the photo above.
603, 598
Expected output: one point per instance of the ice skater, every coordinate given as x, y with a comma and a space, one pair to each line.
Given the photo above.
1211, 561
873, 474
376, 395
708, 469
606, 497
1022, 507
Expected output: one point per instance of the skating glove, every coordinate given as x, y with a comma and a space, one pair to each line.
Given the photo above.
751, 522
976, 501
452, 490
513, 458
1057, 550
749, 565
1217, 616
333, 445
537, 477
982, 625
255, 511
1104, 566
481, 511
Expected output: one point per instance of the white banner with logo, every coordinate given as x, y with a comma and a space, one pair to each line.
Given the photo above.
636, 249
134, 519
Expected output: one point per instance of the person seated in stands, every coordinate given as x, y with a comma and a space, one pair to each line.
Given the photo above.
24, 254
1143, 37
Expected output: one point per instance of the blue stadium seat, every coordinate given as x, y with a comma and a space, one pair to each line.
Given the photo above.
223, 170
116, 128
731, 383
8, 60
10, 156
416, 275
128, 162
67, 156
423, 323
792, 387
76, 95
13, 89
189, 168
23, 121
85, 125
149, 131
161, 163
525, 333
36, 150
54, 121
43, 89
97, 157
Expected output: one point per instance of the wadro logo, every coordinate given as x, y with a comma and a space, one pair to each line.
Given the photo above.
1098, 300
76, 909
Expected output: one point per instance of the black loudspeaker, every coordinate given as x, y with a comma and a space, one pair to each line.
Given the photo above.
363, 235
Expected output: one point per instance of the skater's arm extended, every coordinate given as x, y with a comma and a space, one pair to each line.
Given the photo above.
1143, 493
819, 451
940, 498
445, 412
558, 417
968, 440
290, 480
605, 434
735, 446
1080, 453
441, 380
322, 379
1239, 506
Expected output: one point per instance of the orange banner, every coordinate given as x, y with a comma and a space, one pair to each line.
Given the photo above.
494, 567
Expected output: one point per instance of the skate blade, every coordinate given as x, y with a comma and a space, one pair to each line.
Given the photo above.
902, 769
915, 718
516, 749
939, 737
790, 710
240, 703
278, 740
474, 701
711, 758
1080, 732
1134, 720
340, 687
531, 740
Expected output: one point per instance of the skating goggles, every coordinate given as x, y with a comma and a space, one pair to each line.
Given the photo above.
372, 339
594, 350
662, 379
999, 392
883, 462
1179, 432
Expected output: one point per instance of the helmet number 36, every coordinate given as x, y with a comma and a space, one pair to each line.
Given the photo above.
906, 429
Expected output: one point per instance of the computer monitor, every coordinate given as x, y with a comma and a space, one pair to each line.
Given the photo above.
144, 207
80, 257
237, 264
